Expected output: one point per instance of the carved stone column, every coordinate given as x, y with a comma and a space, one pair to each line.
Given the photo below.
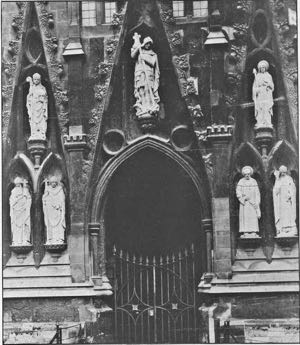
207, 226
94, 230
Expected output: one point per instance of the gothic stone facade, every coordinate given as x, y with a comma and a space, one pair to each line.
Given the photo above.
154, 189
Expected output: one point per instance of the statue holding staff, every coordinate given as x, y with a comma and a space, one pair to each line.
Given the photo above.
37, 108
146, 77
248, 194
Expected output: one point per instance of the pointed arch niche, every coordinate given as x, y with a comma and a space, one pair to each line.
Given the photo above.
148, 200
246, 154
20, 166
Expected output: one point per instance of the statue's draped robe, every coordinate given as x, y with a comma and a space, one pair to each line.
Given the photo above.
54, 214
20, 203
37, 107
284, 198
146, 81
249, 209
262, 93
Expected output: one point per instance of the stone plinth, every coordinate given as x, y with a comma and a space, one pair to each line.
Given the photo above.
147, 122
37, 148
21, 250
263, 139
249, 244
55, 250
286, 243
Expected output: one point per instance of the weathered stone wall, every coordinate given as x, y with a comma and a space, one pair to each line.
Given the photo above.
287, 41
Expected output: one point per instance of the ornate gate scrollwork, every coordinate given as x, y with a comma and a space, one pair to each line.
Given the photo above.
155, 298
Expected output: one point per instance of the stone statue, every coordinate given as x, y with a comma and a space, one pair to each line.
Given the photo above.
262, 93
54, 211
37, 107
20, 204
146, 77
284, 199
248, 195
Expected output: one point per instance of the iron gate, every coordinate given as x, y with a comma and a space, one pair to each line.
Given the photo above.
155, 298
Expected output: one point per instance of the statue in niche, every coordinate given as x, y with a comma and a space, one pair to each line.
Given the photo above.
20, 204
248, 194
284, 199
54, 211
262, 93
37, 107
146, 76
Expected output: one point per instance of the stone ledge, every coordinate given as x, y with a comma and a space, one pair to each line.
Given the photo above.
247, 289
80, 290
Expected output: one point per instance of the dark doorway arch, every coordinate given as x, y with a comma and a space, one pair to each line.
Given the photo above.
152, 206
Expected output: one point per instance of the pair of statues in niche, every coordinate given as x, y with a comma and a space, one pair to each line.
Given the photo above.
53, 210
284, 202
262, 94
37, 108
146, 77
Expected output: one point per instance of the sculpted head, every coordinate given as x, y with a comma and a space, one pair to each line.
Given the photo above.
53, 181
282, 170
36, 79
147, 43
18, 181
263, 66
247, 172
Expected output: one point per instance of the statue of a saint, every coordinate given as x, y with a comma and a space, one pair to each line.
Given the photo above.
146, 77
20, 204
262, 94
37, 107
248, 194
54, 211
284, 199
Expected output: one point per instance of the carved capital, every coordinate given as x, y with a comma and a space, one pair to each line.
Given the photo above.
94, 229
207, 224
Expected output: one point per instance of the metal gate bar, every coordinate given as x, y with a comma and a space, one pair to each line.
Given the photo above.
155, 298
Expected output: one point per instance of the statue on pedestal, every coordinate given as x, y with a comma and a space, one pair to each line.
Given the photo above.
146, 77
20, 204
262, 94
284, 199
54, 211
248, 194
37, 107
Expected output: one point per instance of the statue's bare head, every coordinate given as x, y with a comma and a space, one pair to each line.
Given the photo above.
18, 181
36, 78
247, 172
263, 66
147, 43
283, 170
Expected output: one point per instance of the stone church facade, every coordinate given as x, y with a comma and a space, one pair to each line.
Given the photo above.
135, 135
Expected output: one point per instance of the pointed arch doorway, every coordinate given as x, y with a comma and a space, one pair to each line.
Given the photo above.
152, 208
